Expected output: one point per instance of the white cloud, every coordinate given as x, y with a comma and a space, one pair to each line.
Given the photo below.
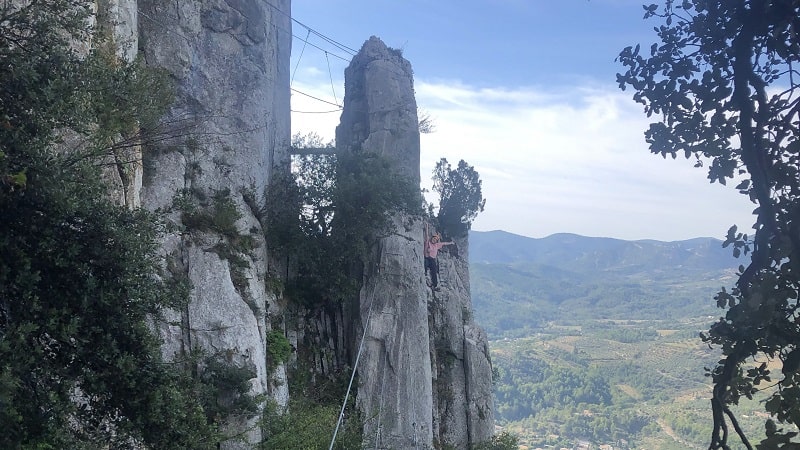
567, 160
573, 160
311, 115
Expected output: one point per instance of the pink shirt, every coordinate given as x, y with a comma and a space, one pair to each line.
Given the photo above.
432, 249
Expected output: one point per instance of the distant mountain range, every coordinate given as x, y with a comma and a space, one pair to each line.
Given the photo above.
575, 252
520, 283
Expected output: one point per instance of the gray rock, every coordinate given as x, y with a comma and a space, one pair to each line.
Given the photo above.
230, 131
394, 370
463, 372
424, 374
380, 111
122, 167
424, 371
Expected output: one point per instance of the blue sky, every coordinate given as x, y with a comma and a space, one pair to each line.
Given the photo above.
525, 91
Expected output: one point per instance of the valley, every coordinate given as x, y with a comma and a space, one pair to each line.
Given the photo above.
598, 343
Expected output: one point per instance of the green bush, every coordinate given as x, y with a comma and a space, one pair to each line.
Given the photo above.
308, 425
219, 217
502, 441
224, 389
278, 347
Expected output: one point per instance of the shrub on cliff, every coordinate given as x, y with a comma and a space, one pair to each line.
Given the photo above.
460, 197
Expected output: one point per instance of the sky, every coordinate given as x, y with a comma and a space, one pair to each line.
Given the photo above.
525, 91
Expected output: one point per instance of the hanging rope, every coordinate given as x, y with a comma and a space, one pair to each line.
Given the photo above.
353, 375
301, 57
414, 399
315, 98
330, 75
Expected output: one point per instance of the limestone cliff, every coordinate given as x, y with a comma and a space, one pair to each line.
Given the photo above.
228, 129
123, 167
462, 386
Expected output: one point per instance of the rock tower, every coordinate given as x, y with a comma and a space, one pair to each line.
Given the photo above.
424, 373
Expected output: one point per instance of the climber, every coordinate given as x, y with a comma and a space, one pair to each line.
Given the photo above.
431, 251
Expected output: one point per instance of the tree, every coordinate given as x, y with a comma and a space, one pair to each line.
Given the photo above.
723, 80
328, 211
315, 175
502, 441
80, 282
460, 197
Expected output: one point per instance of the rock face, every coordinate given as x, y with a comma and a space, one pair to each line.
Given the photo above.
462, 386
229, 129
394, 371
122, 168
424, 372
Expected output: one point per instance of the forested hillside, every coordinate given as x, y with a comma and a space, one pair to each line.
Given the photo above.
596, 340
520, 284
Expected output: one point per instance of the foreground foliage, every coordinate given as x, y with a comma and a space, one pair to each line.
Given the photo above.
79, 278
724, 82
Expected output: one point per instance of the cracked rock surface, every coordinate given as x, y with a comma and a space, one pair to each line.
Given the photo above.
229, 131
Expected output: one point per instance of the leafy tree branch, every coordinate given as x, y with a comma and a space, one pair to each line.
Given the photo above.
724, 82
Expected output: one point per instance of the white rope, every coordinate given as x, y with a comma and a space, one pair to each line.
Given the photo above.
353, 375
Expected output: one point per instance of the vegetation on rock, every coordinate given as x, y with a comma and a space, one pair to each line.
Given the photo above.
460, 197
278, 347
323, 217
328, 212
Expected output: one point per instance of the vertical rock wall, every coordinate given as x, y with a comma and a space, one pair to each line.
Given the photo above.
229, 130
123, 167
424, 373
463, 410
394, 371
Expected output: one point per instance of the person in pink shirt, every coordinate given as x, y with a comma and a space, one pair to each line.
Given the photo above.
432, 247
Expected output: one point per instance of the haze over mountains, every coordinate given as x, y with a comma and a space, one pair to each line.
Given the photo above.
521, 283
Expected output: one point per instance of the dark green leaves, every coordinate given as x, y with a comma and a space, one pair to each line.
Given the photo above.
80, 280
460, 196
722, 81
328, 212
